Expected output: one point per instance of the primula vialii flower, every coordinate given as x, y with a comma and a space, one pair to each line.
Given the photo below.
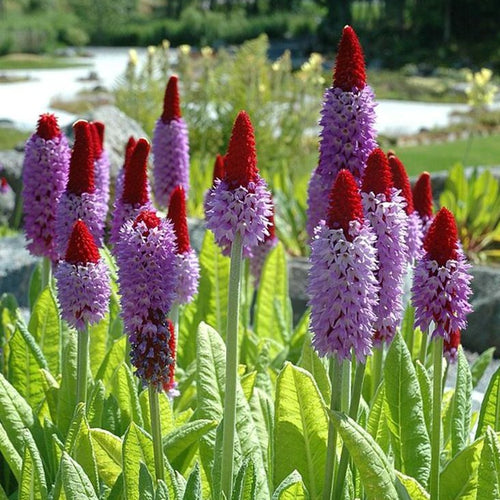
101, 162
441, 286
145, 254
343, 288
134, 196
218, 168
82, 280
129, 148
241, 202
170, 148
384, 209
187, 268
347, 126
450, 347
45, 173
402, 182
422, 200
81, 199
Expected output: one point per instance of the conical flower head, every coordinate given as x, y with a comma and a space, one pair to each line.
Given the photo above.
441, 285
345, 203
241, 202
81, 200
82, 280
101, 162
145, 253
219, 169
129, 148
378, 177
240, 161
422, 197
350, 70
343, 288
45, 174
97, 138
134, 196
171, 101
187, 267
170, 148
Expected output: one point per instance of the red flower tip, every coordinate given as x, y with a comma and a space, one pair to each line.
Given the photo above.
271, 228
171, 367
350, 63
149, 218
129, 148
345, 203
378, 177
177, 214
135, 184
97, 138
81, 246
453, 342
47, 127
401, 181
171, 102
81, 166
241, 159
422, 195
218, 168
442, 238
3, 185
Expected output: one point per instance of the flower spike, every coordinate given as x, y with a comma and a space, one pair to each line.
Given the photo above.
171, 101
441, 242
422, 195
350, 70
81, 170
378, 177
47, 127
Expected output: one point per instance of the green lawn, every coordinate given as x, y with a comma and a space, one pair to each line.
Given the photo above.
33, 61
434, 157
11, 137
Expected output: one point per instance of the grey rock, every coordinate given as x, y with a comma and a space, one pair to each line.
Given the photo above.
11, 166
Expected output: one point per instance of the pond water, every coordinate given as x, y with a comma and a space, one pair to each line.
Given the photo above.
23, 102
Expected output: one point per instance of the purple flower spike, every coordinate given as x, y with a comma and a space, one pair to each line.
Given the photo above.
241, 202
384, 209
186, 261
134, 196
45, 173
80, 200
170, 148
145, 254
441, 285
82, 280
342, 286
101, 162
347, 127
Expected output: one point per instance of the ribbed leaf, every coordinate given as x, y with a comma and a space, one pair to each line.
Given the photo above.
244, 484
146, 486
425, 384
291, 488
376, 473
193, 485
32, 485
315, 365
413, 490
480, 364
114, 357
137, 447
271, 308
10, 454
45, 326
99, 336
462, 405
108, 455
262, 407
75, 482
124, 388
404, 411
166, 415
489, 468
301, 429
377, 421
67, 393
490, 407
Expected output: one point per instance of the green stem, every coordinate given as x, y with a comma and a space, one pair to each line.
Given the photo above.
345, 397
423, 348
353, 413
377, 362
82, 364
436, 418
229, 418
46, 273
154, 409
331, 457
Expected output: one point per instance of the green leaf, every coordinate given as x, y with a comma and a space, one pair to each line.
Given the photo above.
480, 364
425, 385
137, 447
114, 358
301, 429
271, 307
75, 482
193, 485
291, 488
35, 284
45, 326
166, 414
245, 482
262, 407
10, 453
377, 475
108, 454
462, 405
180, 439
404, 412
162, 491
124, 388
377, 421
413, 490
32, 485
310, 361
489, 468
146, 486
66, 400
459, 478
490, 407
98, 336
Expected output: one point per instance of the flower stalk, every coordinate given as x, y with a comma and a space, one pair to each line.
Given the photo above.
82, 364
436, 417
154, 409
